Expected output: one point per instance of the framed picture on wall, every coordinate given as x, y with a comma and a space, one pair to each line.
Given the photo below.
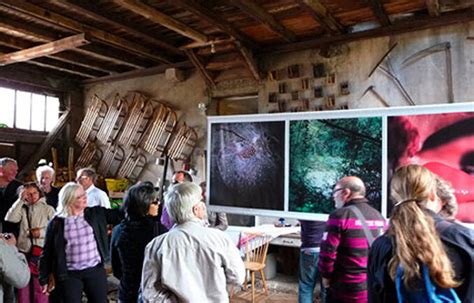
337, 148
247, 165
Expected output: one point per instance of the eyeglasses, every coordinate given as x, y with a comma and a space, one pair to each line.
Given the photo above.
336, 190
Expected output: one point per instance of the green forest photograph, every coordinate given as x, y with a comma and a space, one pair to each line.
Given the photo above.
323, 151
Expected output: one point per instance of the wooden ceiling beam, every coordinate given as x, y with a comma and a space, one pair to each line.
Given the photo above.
416, 24
322, 15
96, 34
67, 70
19, 44
262, 16
379, 12
139, 73
92, 15
200, 67
214, 19
433, 7
39, 35
249, 60
156, 16
44, 49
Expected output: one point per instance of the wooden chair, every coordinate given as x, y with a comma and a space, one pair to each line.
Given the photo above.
256, 248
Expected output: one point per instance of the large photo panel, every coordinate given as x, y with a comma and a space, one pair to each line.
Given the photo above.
247, 165
324, 150
443, 143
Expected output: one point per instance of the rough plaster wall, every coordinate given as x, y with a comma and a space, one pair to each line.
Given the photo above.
183, 96
425, 80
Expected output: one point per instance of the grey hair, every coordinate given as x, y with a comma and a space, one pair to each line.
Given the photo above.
88, 171
180, 200
67, 195
445, 193
6, 160
40, 170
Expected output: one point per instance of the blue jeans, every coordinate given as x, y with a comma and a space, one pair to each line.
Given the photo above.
308, 277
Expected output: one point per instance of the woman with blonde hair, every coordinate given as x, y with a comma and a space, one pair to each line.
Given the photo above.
76, 248
420, 246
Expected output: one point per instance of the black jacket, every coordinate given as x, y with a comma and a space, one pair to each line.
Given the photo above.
459, 244
8, 196
127, 251
53, 258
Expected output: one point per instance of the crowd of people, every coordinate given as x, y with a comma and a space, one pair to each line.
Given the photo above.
55, 243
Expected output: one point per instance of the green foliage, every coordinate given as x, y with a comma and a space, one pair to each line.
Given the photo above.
323, 151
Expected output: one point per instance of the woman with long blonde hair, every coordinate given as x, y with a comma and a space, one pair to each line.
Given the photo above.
419, 242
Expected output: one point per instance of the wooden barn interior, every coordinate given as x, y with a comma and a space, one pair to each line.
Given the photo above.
133, 81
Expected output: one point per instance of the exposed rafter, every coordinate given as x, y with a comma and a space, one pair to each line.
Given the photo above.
66, 57
216, 20
433, 7
96, 34
379, 12
249, 60
38, 35
322, 15
158, 17
200, 67
44, 49
394, 29
128, 29
259, 14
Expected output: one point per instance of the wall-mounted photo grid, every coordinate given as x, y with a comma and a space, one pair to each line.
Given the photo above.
286, 165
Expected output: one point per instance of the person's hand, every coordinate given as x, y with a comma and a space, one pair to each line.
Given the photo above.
326, 283
35, 232
8, 238
153, 210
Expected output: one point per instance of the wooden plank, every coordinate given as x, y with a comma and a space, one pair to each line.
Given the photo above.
83, 11
322, 15
46, 145
44, 62
44, 49
63, 57
433, 7
152, 14
138, 73
214, 19
379, 12
39, 35
200, 67
249, 60
259, 14
95, 34
417, 24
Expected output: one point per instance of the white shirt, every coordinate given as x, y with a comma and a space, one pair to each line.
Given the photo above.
97, 197
193, 262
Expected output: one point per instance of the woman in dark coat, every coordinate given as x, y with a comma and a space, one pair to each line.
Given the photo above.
130, 237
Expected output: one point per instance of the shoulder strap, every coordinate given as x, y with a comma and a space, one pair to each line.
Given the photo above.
27, 209
361, 218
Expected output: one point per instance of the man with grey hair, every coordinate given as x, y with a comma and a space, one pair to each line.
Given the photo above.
350, 231
190, 263
86, 177
8, 192
45, 178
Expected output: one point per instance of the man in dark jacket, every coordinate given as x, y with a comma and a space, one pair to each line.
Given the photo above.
8, 192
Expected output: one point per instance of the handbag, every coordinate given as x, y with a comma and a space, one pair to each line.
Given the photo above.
36, 250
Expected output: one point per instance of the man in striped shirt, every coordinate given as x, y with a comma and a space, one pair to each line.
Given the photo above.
344, 249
